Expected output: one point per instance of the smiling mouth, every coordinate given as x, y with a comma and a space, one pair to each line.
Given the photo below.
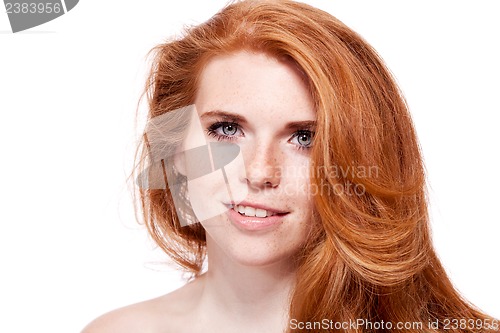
253, 212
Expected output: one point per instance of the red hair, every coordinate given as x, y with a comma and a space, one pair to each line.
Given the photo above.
370, 256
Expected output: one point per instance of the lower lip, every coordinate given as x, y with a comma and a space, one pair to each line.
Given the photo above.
253, 223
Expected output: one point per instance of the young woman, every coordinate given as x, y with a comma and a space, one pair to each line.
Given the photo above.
281, 152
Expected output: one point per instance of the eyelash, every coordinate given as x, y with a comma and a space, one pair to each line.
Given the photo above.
213, 129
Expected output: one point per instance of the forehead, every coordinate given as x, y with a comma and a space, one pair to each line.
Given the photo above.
253, 82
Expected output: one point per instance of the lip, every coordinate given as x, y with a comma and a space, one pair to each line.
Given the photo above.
253, 223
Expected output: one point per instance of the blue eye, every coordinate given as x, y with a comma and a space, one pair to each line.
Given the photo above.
229, 129
223, 130
303, 139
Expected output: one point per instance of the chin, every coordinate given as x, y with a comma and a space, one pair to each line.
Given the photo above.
262, 260
277, 245
256, 254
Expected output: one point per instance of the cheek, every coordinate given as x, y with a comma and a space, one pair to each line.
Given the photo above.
210, 194
206, 195
296, 183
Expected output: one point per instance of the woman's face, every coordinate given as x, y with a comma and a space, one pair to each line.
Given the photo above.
258, 212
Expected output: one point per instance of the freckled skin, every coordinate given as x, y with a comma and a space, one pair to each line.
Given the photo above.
250, 273
268, 93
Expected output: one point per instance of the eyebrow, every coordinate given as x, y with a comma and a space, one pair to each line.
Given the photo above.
302, 125
232, 117
224, 115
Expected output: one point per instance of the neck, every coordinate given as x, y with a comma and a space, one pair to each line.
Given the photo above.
246, 292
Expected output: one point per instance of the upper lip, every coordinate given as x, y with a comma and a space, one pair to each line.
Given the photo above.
260, 206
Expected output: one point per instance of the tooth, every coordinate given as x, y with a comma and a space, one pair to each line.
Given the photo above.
268, 213
260, 212
241, 209
249, 211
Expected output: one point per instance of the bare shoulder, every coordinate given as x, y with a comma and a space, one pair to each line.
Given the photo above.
163, 314
132, 318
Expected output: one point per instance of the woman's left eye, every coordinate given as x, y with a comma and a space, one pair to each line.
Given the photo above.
303, 139
223, 130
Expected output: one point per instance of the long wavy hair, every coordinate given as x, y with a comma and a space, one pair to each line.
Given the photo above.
371, 256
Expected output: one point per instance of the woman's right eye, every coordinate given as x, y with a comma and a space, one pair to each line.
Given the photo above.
223, 130
229, 129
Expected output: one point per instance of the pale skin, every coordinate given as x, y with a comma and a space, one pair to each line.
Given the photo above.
251, 273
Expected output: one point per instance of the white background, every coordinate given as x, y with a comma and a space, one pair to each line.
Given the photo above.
70, 248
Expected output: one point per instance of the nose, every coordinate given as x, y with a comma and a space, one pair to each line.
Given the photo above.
262, 165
